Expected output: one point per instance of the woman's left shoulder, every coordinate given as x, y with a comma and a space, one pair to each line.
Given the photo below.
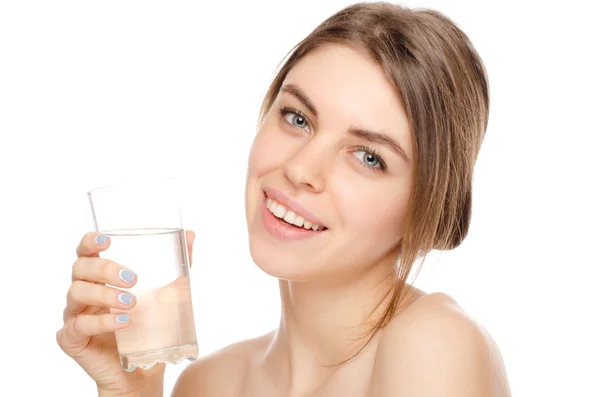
433, 317
433, 347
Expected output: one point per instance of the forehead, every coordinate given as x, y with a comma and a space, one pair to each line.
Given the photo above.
345, 84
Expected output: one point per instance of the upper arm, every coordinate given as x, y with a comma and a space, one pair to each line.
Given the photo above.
437, 351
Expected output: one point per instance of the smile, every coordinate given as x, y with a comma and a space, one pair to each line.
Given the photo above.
284, 223
289, 216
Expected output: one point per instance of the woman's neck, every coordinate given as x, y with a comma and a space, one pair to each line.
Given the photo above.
322, 324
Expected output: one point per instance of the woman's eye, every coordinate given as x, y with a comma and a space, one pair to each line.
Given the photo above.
296, 120
369, 159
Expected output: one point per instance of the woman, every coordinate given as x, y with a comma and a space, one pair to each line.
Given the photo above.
361, 165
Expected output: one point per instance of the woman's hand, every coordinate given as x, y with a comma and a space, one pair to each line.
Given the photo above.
88, 331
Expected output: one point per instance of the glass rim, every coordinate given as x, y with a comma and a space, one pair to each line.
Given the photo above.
132, 183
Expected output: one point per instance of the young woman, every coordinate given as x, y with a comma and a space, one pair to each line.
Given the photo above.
361, 165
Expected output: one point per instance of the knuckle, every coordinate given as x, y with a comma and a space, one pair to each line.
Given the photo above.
73, 294
104, 266
105, 321
76, 325
107, 296
75, 267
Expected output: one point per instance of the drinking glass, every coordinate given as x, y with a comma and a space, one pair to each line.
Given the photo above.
143, 220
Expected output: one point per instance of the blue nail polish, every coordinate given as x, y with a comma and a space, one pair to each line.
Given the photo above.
101, 239
126, 275
122, 318
125, 298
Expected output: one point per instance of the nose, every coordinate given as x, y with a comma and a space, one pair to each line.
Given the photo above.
306, 168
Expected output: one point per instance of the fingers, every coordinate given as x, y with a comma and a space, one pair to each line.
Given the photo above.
190, 236
82, 294
105, 271
92, 243
77, 330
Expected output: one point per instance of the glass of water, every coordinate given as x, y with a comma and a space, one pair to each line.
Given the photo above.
143, 220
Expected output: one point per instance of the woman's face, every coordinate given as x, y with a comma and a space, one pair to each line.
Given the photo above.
334, 151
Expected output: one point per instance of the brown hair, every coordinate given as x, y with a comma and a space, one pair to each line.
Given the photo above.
443, 85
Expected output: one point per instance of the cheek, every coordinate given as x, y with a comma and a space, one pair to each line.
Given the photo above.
266, 155
268, 152
373, 208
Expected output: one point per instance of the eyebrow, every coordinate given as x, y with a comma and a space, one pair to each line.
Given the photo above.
381, 139
370, 136
301, 95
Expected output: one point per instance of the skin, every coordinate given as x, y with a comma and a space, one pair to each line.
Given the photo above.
331, 283
87, 334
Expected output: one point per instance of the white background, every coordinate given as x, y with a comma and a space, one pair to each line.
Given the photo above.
96, 92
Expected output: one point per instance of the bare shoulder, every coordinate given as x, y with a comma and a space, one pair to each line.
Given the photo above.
220, 373
434, 348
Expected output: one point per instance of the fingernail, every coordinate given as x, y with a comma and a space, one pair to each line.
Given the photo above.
125, 298
126, 275
101, 239
122, 318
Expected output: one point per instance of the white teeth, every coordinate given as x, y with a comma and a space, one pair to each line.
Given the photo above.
279, 211
290, 216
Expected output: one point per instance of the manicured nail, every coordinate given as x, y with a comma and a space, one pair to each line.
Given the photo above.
101, 239
125, 298
122, 318
126, 275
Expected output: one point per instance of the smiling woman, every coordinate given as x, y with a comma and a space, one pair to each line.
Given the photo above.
361, 165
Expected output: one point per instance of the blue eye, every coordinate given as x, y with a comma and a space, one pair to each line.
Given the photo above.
295, 118
369, 158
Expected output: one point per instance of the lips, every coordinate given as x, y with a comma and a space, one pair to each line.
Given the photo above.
290, 217
281, 229
290, 205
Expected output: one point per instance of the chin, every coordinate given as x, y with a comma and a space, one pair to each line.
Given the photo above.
278, 263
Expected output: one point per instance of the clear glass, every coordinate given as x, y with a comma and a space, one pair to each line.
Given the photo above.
143, 220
